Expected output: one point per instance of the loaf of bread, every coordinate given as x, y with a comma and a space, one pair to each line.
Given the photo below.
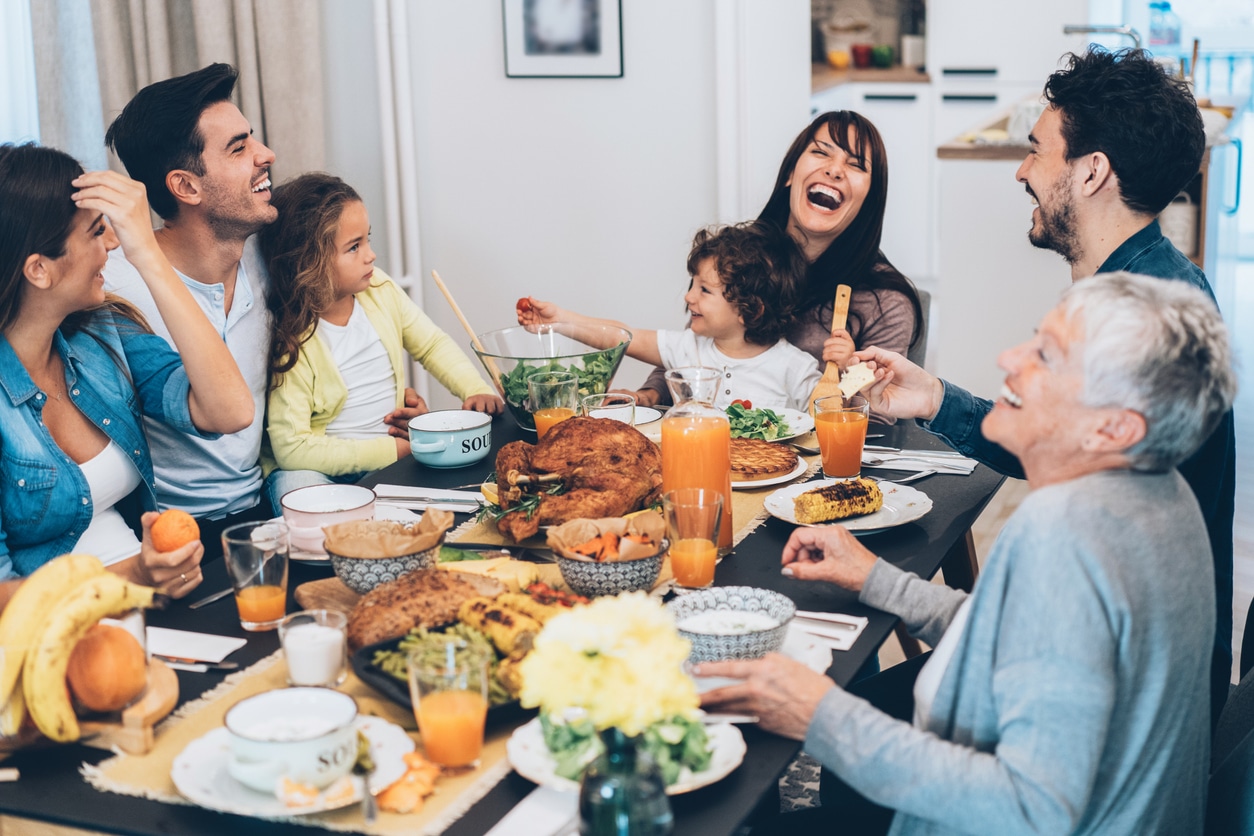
425, 598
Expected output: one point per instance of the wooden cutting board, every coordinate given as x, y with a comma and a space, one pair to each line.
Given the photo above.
133, 731
326, 594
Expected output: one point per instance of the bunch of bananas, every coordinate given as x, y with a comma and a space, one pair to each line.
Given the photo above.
51, 610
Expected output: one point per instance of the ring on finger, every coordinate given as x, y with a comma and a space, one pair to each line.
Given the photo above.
183, 576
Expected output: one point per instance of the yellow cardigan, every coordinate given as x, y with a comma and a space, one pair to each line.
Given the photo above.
313, 392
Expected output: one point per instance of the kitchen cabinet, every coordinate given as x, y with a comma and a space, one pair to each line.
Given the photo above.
995, 285
999, 41
903, 115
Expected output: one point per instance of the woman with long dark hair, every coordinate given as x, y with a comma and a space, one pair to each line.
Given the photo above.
829, 196
80, 369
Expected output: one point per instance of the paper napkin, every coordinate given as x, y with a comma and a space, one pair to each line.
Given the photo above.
183, 644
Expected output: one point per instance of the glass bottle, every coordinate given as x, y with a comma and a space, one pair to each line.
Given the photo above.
696, 440
622, 792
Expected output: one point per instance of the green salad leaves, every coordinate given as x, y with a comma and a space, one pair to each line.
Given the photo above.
673, 744
765, 424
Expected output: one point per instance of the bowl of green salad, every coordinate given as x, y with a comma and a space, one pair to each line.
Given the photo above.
591, 352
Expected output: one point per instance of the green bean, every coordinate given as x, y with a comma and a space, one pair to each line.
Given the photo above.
431, 643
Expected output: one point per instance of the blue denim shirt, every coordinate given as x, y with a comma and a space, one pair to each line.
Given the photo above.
1210, 471
45, 503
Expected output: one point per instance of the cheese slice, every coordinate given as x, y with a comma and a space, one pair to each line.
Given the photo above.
516, 575
856, 378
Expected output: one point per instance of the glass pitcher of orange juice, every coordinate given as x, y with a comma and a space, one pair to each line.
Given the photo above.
696, 440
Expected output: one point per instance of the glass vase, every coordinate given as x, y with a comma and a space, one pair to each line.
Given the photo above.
622, 792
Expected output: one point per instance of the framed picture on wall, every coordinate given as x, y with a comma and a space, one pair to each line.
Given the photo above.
563, 38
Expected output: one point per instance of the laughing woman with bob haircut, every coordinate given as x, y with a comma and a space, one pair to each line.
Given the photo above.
1069, 692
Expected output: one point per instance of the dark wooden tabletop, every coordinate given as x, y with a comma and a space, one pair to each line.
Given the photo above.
51, 788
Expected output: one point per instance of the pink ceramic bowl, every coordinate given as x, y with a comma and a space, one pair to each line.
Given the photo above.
307, 510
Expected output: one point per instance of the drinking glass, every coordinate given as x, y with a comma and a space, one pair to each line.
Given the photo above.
692, 522
315, 645
841, 427
620, 407
256, 560
448, 686
553, 397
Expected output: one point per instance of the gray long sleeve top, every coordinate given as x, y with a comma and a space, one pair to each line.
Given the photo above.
1076, 699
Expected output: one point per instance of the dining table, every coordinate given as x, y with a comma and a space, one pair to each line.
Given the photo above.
52, 796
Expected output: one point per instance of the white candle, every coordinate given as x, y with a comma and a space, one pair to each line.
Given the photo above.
315, 654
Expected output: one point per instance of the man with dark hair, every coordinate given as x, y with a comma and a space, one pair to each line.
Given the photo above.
209, 179
1117, 142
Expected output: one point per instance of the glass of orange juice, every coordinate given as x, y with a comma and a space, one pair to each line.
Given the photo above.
553, 397
448, 685
256, 560
692, 521
840, 424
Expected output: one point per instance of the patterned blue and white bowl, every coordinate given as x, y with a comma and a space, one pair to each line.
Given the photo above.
716, 647
592, 579
362, 574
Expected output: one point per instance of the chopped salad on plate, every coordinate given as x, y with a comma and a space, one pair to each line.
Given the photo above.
747, 422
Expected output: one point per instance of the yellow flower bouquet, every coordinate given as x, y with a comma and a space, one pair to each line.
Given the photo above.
615, 663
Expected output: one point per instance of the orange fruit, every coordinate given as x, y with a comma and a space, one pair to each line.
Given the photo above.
107, 669
174, 529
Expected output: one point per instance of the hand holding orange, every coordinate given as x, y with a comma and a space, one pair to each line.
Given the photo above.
174, 529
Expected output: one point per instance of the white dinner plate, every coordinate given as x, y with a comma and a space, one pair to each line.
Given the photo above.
200, 775
532, 760
902, 504
802, 464
381, 512
647, 415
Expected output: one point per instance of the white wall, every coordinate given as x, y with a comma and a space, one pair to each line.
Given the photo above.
584, 191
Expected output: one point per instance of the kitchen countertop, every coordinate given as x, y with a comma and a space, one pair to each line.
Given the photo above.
824, 76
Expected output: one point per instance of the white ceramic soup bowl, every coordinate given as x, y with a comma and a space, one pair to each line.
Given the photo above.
303, 734
450, 437
307, 510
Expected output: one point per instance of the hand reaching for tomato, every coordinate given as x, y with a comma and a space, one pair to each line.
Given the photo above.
531, 311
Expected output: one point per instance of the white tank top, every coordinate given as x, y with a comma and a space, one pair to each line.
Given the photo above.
363, 363
111, 476
928, 682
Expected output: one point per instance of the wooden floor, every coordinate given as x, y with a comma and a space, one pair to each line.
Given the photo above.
1241, 325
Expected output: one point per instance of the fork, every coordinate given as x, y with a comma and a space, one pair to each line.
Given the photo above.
369, 807
913, 477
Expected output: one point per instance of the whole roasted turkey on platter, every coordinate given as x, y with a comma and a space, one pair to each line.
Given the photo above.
583, 467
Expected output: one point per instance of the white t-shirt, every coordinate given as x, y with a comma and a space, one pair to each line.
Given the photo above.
210, 478
363, 363
782, 376
111, 476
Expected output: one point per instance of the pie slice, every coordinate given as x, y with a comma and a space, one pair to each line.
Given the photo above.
753, 460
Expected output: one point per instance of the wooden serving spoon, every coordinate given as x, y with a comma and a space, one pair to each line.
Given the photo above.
493, 371
829, 384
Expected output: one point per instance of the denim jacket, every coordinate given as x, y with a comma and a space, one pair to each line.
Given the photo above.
114, 373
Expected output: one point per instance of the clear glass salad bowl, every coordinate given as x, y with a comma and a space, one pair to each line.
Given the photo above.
591, 352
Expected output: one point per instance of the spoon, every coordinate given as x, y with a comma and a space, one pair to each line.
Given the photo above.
364, 766
887, 463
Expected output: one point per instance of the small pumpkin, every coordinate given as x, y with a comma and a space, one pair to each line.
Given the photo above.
107, 669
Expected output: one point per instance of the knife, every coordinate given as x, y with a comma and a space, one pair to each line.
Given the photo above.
196, 665
217, 596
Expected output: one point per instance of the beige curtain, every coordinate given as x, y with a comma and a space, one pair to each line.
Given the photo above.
275, 44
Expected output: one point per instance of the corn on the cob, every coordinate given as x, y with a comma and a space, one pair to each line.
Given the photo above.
508, 629
527, 605
838, 501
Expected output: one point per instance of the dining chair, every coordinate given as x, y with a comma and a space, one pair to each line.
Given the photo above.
1230, 798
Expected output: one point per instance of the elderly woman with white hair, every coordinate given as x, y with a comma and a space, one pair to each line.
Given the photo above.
1068, 693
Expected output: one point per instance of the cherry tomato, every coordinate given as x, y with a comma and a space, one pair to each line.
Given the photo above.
744, 403
524, 305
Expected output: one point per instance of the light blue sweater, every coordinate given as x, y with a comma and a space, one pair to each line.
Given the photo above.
1077, 698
